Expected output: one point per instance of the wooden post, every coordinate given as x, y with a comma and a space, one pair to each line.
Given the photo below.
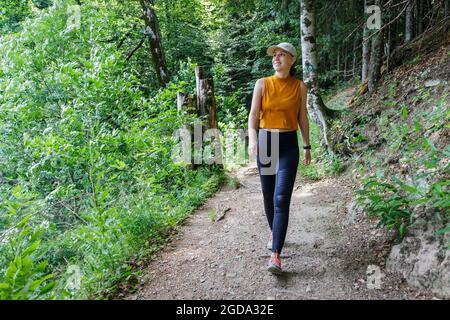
186, 103
206, 103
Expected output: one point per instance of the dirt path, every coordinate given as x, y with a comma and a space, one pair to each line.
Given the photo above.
325, 256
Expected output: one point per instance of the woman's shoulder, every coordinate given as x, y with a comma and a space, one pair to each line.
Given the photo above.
260, 82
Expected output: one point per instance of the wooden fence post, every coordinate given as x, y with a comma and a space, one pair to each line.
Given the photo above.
206, 106
186, 103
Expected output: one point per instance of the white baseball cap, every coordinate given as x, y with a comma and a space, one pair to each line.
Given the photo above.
286, 46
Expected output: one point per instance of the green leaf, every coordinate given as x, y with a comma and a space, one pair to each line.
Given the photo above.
47, 288
419, 201
405, 112
31, 248
119, 165
41, 266
4, 286
103, 196
417, 125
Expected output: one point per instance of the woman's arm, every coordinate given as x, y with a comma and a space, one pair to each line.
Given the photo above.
253, 117
304, 123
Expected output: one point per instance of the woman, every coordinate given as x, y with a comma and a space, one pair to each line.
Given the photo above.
278, 109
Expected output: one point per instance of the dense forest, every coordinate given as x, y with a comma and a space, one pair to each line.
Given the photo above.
90, 98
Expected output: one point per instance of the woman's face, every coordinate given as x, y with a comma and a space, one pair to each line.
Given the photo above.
282, 60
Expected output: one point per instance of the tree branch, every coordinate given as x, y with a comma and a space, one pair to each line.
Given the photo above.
135, 49
126, 36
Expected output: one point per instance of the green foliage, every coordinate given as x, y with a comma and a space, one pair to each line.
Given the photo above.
392, 90
24, 273
194, 19
232, 111
387, 201
86, 135
322, 164
392, 198
77, 132
12, 13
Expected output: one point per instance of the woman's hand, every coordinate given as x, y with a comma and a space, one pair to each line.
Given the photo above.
307, 160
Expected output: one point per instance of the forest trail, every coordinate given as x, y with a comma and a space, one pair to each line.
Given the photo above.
326, 255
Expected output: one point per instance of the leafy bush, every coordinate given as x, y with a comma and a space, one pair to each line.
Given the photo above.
388, 202
77, 133
24, 273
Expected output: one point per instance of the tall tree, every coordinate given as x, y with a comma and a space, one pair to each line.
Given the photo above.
376, 53
419, 17
365, 48
316, 107
409, 21
151, 30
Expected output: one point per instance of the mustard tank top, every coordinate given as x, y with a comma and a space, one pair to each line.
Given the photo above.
280, 103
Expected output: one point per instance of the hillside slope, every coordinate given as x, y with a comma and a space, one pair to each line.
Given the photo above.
395, 143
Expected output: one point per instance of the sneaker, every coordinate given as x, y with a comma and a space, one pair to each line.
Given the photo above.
269, 244
275, 264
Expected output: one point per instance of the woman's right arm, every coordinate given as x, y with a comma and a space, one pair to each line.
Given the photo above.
253, 117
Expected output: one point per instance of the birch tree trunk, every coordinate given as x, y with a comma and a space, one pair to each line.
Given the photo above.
365, 49
151, 29
316, 108
409, 25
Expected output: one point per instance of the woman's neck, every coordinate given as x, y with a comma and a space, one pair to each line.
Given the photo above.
282, 74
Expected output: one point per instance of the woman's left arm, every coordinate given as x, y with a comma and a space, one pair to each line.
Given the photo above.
304, 123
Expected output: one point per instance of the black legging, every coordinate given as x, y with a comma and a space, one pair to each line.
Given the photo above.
277, 179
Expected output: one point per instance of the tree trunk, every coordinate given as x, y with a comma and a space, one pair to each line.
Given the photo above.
426, 14
338, 63
285, 15
387, 51
345, 63
409, 25
376, 55
354, 57
151, 30
365, 49
316, 108
397, 38
420, 17
415, 17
